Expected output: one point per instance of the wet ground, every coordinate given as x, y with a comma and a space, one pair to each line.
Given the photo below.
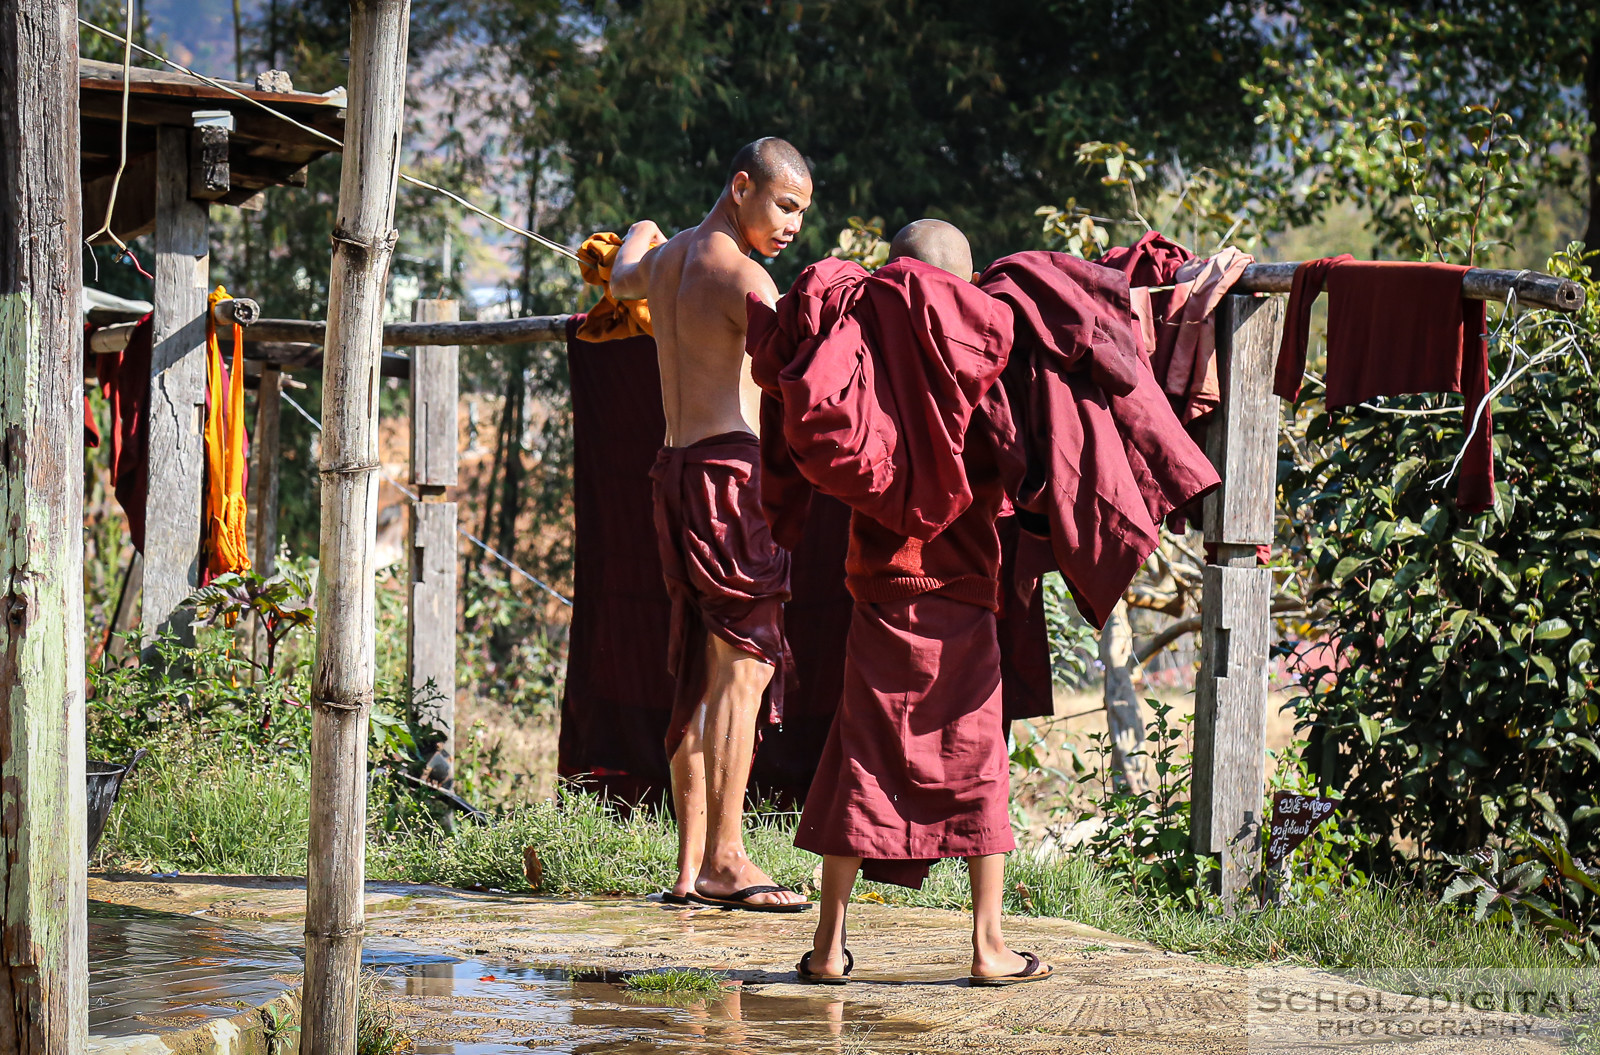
474, 974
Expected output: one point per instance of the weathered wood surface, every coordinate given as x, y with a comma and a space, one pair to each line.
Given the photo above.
1533, 288
208, 163
1124, 719
415, 334
1243, 439
177, 392
342, 685
431, 634
44, 996
1235, 627
265, 463
435, 394
1230, 720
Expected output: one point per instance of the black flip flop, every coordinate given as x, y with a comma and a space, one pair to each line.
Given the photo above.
1030, 973
802, 970
740, 899
669, 898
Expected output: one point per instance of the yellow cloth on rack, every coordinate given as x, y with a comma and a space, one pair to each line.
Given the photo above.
227, 549
611, 319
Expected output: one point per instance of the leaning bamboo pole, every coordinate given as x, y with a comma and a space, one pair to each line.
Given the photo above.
44, 975
341, 692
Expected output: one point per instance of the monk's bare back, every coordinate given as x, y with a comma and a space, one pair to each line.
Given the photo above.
698, 284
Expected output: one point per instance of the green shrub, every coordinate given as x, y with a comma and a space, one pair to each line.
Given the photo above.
1469, 694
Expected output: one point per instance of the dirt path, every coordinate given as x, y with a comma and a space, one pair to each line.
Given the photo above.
1111, 995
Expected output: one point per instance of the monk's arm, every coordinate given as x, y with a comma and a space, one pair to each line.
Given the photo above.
630, 272
752, 278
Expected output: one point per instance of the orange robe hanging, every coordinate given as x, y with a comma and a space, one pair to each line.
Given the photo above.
227, 549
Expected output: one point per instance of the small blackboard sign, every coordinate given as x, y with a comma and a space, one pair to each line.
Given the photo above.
1293, 818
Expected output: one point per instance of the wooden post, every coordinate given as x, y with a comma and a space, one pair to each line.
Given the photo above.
431, 614
342, 687
44, 980
1231, 691
177, 391
1124, 716
265, 455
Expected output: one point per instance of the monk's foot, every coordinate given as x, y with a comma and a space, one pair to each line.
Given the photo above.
1001, 963
828, 961
685, 884
724, 882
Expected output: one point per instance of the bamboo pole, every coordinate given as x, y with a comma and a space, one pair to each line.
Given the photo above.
341, 692
44, 978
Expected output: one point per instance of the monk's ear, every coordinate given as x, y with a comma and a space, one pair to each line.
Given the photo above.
740, 186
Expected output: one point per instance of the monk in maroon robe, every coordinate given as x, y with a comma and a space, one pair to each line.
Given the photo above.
915, 768
726, 576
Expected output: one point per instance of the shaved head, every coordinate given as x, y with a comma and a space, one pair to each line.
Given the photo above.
769, 159
934, 242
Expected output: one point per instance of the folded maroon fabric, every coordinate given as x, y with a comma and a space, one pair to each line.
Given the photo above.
1308, 280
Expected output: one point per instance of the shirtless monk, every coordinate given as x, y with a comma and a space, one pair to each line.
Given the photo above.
727, 578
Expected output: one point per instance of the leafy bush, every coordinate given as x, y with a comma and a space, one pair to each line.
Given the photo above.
1468, 694
1536, 886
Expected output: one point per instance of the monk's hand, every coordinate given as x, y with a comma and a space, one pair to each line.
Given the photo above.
646, 232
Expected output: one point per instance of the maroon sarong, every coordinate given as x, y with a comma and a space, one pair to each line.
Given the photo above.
915, 768
723, 572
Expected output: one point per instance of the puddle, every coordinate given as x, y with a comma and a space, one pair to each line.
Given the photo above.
150, 970
497, 1010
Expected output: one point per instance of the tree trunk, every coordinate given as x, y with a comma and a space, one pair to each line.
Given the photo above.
1123, 716
44, 988
341, 691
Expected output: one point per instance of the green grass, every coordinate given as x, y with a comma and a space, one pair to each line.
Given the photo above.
226, 815
235, 816
674, 981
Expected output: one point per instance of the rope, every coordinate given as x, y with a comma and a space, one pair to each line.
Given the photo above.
469, 536
553, 246
122, 158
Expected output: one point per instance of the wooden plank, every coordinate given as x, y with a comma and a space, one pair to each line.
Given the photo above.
182, 269
1230, 725
431, 634
434, 397
342, 683
44, 996
1243, 439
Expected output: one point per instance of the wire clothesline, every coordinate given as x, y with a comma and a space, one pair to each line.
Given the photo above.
463, 532
548, 243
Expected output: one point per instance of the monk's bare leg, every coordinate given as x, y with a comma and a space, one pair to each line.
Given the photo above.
735, 684
827, 946
689, 803
990, 956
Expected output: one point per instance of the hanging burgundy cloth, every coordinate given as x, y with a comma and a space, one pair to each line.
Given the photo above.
618, 695
125, 382
1398, 328
1107, 457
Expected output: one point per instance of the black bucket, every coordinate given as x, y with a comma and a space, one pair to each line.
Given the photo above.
105, 780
